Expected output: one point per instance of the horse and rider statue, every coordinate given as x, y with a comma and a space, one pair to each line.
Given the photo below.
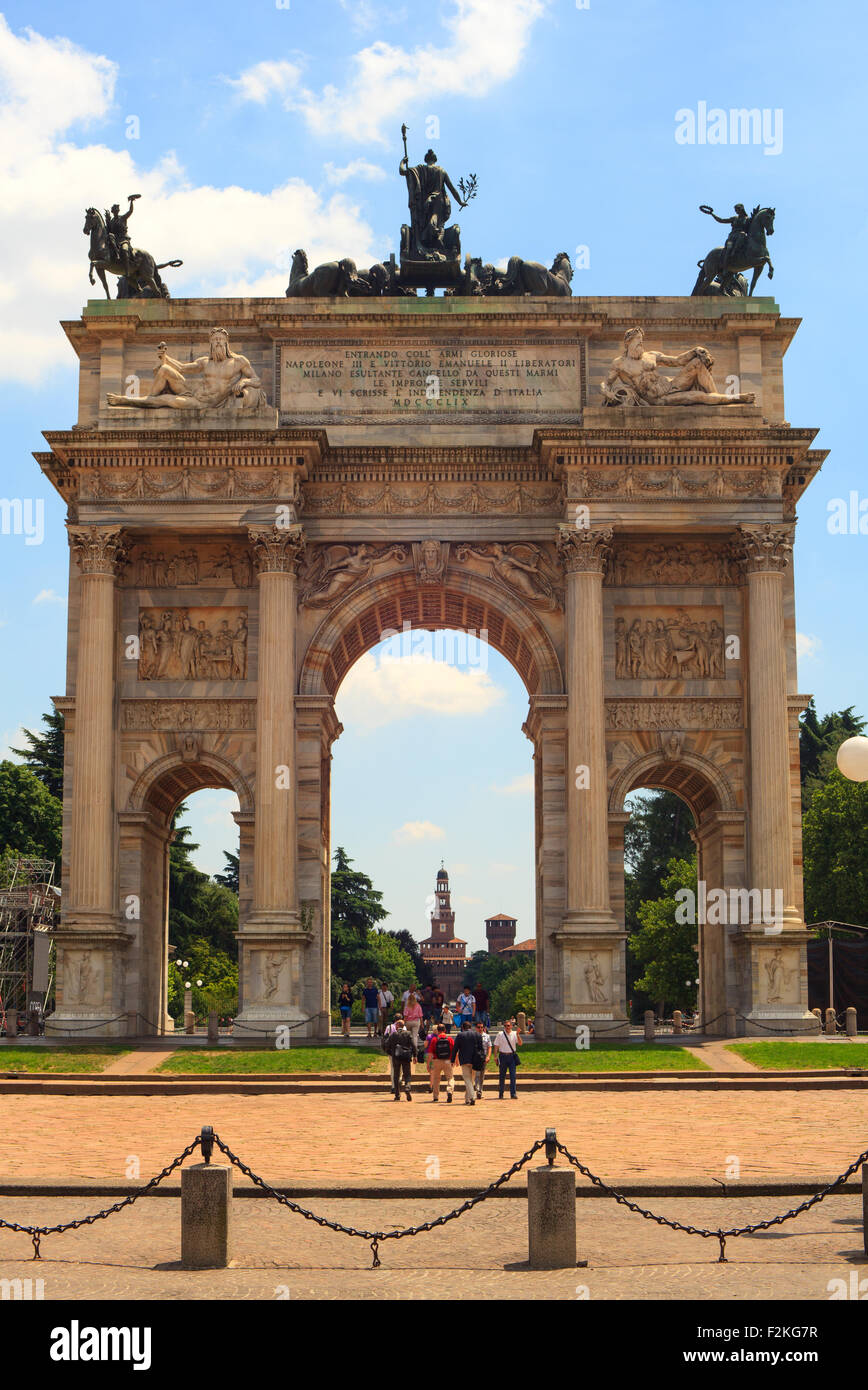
110, 250
744, 249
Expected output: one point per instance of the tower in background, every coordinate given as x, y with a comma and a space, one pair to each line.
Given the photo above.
443, 950
500, 932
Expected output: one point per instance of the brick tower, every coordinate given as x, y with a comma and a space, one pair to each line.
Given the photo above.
500, 932
443, 950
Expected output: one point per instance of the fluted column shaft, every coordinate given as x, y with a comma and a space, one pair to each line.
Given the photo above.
584, 553
97, 551
275, 879
767, 552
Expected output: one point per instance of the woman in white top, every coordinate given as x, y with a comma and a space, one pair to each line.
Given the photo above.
506, 1045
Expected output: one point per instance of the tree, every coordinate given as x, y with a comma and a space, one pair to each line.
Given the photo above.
514, 991
487, 970
407, 942
663, 946
835, 848
200, 909
30, 817
356, 907
44, 755
658, 829
229, 876
819, 741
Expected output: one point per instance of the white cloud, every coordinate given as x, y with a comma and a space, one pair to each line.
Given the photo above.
486, 44
497, 868
462, 898
376, 693
49, 596
48, 180
519, 786
414, 831
356, 169
807, 646
13, 738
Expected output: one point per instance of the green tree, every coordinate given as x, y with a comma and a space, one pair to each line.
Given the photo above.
229, 876
514, 990
663, 946
44, 753
356, 907
819, 741
200, 909
30, 817
407, 942
835, 849
658, 829
487, 970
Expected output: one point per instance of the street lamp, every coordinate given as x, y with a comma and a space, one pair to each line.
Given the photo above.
852, 758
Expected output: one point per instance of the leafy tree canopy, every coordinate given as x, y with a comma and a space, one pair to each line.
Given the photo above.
835, 849
44, 753
663, 947
30, 817
819, 741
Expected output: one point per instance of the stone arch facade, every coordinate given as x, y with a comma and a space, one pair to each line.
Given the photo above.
228, 566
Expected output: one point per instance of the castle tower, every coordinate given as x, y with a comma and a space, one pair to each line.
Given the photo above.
500, 932
443, 950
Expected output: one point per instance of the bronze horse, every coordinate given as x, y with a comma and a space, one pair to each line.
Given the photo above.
145, 280
752, 256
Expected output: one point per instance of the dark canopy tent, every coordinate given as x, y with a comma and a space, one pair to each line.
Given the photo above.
849, 971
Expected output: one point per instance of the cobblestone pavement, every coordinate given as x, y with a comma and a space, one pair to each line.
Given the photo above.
133, 1255
332, 1140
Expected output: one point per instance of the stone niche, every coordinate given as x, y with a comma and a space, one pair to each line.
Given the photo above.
192, 644
669, 642
588, 979
84, 979
778, 969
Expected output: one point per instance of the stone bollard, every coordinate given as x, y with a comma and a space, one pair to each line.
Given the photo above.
818, 1014
213, 1031
865, 1207
206, 1216
677, 1025
649, 1025
731, 1022
12, 1023
851, 1022
521, 1021
551, 1218
831, 1028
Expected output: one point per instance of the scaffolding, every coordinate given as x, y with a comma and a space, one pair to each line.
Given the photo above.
29, 904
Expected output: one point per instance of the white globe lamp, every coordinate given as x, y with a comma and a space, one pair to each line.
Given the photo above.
852, 758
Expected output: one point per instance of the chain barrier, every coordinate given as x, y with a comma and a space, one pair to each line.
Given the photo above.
37, 1232
561, 1024
81, 1027
720, 1235
284, 1027
376, 1238
207, 1140
781, 1032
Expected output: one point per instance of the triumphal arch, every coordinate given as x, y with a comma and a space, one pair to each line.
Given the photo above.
259, 490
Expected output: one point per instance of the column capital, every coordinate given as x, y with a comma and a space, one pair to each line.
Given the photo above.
277, 549
585, 549
97, 549
764, 548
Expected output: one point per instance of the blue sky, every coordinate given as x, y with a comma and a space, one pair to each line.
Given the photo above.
261, 128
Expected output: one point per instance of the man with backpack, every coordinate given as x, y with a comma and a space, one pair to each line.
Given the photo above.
465, 1054
399, 1045
441, 1064
480, 1061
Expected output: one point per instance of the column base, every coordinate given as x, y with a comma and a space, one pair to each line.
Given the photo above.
270, 950
592, 977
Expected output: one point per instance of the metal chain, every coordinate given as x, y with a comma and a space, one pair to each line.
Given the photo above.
37, 1232
80, 1027
374, 1238
781, 1032
289, 1027
720, 1235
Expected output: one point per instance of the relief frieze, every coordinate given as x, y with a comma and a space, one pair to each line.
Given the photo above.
669, 643
192, 644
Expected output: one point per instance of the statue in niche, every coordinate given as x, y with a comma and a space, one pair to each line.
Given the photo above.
219, 380
271, 964
777, 977
595, 981
635, 381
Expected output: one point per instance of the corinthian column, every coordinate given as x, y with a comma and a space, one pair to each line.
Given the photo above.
273, 938
98, 551
585, 553
276, 553
767, 552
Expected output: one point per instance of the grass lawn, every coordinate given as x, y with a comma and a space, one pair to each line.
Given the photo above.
31, 1059
294, 1059
609, 1056
554, 1056
790, 1056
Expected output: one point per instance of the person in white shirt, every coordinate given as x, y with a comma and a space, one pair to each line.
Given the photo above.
485, 1045
385, 999
506, 1045
465, 1008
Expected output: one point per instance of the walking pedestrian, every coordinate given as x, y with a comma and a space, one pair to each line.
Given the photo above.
480, 1061
370, 993
385, 1000
464, 1055
345, 1007
464, 1009
438, 999
507, 1044
482, 999
413, 1016
429, 1038
441, 1064
446, 1017
399, 1046
427, 1007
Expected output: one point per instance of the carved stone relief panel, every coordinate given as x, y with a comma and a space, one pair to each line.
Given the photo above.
192, 644
162, 564
653, 643
274, 975
779, 975
673, 564
589, 978
83, 978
